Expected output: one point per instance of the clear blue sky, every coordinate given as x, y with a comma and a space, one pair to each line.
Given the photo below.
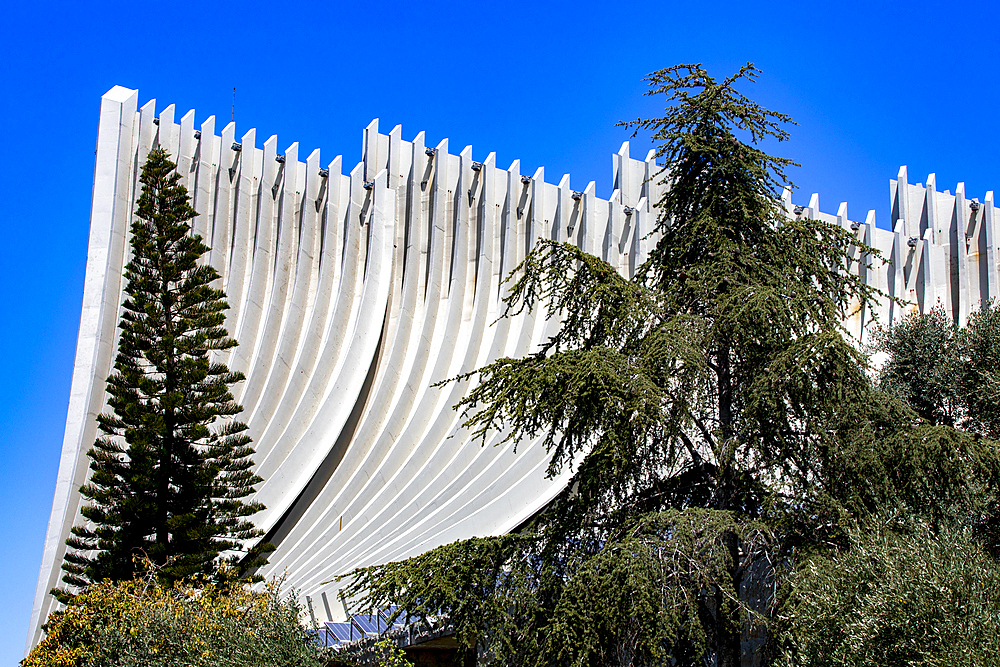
872, 86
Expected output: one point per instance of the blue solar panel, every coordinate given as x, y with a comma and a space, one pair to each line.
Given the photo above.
322, 637
401, 621
343, 632
370, 625
376, 621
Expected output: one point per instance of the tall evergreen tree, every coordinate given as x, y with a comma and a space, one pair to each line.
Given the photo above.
710, 409
172, 466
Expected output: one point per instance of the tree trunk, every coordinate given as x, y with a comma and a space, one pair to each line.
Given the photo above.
730, 624
169, 425
729, 628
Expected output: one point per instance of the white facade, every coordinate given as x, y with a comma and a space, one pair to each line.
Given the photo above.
351, 294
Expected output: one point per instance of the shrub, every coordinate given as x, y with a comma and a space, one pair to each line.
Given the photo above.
903, 595
140, 622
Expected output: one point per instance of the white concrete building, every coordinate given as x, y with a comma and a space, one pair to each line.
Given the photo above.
351, 294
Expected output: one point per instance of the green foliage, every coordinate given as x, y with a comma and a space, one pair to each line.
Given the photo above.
714, 392
653, 594
172, 466
979, 381
143, 623
905, 594
657, 594
944, 476
947, 374
923, 364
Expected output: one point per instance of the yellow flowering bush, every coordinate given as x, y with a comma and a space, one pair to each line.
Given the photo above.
141, 622
390, 655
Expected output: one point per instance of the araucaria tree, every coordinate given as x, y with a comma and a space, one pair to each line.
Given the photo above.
712, 413
172, 467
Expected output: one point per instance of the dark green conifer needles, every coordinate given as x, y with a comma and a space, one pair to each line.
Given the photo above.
171, 470
701, 406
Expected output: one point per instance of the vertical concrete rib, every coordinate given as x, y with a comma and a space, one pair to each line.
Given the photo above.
270, 369
110, 212
203, 188
240, 167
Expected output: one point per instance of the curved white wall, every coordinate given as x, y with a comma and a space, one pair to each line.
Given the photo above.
352, 294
